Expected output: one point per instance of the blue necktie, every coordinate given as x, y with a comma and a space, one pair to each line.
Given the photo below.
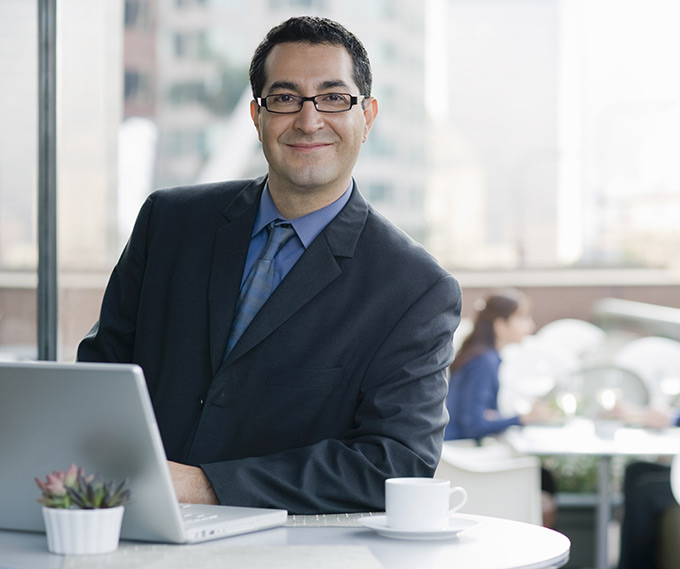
260, 282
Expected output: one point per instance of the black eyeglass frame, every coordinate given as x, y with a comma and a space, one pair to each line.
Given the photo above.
262, 102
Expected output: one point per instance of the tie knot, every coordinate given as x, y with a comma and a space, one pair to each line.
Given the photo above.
279, 234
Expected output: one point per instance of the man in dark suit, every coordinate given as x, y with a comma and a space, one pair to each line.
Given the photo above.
339, 380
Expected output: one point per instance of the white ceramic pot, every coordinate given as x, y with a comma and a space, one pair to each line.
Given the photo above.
72, 532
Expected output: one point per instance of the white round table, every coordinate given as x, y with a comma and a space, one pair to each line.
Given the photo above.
492, 544
580, 437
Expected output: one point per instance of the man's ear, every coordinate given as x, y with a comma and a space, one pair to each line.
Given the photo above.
255, 115
370, 113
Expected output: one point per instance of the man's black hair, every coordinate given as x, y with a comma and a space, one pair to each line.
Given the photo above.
316, 31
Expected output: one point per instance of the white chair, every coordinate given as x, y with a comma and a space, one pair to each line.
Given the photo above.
529, 370
675, 477
657, 361
463, 331
598, 388
499, 482
603, 352
572, 335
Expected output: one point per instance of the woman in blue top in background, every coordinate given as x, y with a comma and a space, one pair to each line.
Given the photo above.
503, 318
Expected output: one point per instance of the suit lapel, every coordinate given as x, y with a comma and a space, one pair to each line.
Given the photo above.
314, 271
229, 253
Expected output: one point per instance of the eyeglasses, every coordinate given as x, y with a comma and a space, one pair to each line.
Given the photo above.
285, 103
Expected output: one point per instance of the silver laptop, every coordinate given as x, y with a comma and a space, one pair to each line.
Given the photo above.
99, 416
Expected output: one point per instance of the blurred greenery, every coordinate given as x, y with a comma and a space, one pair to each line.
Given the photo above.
579, 473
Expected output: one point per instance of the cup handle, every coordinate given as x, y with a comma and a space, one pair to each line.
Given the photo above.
463, 498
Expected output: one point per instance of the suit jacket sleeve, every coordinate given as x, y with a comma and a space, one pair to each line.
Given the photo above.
112, 337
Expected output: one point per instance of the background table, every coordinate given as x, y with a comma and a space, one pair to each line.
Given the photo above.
579, 437
493, 544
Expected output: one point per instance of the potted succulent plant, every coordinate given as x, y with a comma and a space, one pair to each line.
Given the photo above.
83, 514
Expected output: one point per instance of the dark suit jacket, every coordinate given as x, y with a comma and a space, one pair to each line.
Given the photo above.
338, 383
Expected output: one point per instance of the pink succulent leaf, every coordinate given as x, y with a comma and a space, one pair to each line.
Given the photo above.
71, 475
55, 483
41, 485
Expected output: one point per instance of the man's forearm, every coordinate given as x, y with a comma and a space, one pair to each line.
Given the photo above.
191, 484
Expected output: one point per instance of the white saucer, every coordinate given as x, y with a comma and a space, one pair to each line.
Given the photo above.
379, 524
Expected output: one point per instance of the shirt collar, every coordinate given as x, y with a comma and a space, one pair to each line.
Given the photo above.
308, 226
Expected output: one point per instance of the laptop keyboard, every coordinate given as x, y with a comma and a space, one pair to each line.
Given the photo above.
191, 516
294, 520
328, 520
189, 519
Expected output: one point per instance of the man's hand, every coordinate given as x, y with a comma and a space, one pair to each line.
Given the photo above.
191, 484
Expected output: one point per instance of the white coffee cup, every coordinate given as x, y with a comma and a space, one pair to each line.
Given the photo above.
421, 504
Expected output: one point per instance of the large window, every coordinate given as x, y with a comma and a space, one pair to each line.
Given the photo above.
556, 124
18, 178
513, 135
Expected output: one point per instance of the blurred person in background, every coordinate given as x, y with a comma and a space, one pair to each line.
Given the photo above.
648, 499
501, 319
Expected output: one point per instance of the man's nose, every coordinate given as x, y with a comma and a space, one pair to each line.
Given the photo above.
308, 118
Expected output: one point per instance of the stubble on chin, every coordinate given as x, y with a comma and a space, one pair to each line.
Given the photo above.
305, 192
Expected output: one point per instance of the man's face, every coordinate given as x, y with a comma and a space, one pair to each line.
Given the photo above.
311, 154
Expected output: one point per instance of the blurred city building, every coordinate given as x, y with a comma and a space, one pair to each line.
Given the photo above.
522, 142
188, 61
496, 135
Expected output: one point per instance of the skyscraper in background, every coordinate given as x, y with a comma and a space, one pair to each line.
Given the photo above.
513, 134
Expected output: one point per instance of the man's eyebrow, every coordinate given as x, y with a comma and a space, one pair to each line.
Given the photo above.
291, 86
283, 85
333, 83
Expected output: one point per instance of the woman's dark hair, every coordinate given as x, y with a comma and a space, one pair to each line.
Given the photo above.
316, 31
502, 304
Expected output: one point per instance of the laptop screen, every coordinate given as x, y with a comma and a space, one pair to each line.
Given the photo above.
100, 417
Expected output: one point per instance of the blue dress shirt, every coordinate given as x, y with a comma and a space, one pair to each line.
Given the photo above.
473, 392
306, 228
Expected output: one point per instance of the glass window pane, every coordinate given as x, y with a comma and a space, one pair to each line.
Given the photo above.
91, 88
511, 135
18, 178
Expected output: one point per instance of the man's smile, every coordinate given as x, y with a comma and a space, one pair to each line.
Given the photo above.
308, 146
